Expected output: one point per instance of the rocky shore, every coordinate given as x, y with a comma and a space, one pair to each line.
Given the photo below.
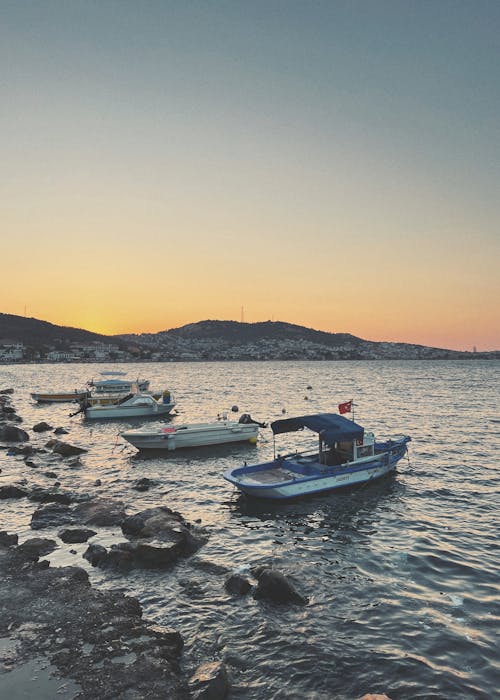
96, 642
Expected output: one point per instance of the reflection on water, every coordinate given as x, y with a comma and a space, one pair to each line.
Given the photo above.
401, 573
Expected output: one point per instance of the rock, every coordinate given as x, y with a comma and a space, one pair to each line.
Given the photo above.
37, 547
237, 584
18, 450
8, 540
159, 537
143, 484
11, 433
95, 554
95, 638
50, 475
51, 496
274, 586
209, 682
52, 515
97, 482
6, 391
31, 463
72, 535
101, 512
64, 448
61, 431
12, 491
42, 427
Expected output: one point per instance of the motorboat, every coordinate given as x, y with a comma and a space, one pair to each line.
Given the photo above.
61, 396
131, 406
174, 437
118, 386
346, 455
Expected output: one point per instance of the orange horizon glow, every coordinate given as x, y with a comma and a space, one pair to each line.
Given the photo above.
172, 165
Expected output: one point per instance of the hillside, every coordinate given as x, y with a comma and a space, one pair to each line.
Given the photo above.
35, 333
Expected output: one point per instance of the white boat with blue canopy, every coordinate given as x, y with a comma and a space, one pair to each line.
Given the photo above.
346, 455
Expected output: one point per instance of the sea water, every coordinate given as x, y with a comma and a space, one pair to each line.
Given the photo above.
401, 574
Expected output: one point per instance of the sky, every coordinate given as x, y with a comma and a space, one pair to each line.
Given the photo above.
331, 164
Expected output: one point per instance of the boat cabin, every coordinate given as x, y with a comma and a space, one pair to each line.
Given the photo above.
340, 440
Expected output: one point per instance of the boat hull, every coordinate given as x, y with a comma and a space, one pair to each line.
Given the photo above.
203, 435
61, 397
285, 479
119, 411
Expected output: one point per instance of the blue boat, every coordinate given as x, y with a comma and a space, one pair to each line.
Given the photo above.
346, 455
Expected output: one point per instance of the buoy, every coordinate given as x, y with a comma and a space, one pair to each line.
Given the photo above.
235, 409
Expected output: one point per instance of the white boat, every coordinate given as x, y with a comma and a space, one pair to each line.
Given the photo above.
346, 456
60, 397
174, 437
118, 386
132, 406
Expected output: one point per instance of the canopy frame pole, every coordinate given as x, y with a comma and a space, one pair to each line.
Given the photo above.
352, 411
274, 446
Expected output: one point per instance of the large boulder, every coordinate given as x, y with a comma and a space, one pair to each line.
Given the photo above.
64, 448
274, 585
11, 433
209, 682
52, 515
157, 538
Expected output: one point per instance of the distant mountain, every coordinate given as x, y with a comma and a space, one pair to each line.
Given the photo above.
230, 340
216, 340
33, 332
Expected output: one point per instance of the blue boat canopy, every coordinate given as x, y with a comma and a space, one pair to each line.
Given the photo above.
329, 426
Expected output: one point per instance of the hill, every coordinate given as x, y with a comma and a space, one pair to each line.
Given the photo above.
35, 333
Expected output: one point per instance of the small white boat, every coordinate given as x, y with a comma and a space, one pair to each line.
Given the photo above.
174, 437
61, 396
132, 406
118, 386
347, 455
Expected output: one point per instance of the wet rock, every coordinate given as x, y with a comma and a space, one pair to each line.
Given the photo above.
11, 433
9, 410
31, 463
14, 417
50, 475
7, 391
12, 491
36, 547
237, 584
56, 611
159, 537
15, 450
209, 682
64, 448
143, 484
73, 535
101, 512
52, 515
95, 554
42, 427
275, 586
60, 431
50, 495
8, 540
97, 482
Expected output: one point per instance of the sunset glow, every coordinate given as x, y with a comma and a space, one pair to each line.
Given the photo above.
334, 165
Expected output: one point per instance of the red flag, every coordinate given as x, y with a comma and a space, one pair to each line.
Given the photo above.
345, 407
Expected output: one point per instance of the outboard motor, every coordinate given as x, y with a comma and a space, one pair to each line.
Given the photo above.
247, 418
